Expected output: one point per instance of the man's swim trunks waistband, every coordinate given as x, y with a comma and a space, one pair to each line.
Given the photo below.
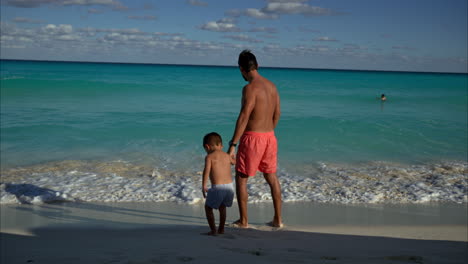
254, 133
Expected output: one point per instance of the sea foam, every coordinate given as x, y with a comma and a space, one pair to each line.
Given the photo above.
375, 182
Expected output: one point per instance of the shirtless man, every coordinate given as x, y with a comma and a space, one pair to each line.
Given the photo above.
258, 117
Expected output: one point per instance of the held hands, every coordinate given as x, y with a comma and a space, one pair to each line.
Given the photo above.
232, 150
232, 154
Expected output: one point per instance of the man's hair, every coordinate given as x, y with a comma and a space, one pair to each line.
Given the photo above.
247, 61
212, 138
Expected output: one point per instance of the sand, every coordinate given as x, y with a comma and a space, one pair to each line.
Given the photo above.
171, 233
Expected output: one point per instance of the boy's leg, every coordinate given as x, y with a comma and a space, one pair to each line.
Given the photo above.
275, 189
222, 219
242, 197
211, 220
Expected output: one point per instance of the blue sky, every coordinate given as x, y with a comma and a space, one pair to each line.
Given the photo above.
401, 35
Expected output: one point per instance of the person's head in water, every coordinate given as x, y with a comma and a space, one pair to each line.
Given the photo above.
247, 62
383, 98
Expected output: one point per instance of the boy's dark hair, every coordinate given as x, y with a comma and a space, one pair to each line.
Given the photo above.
247, 61
212, 138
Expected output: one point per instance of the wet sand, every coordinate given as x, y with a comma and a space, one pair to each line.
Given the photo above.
171, 233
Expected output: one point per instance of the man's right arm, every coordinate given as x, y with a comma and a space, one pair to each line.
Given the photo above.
248, 104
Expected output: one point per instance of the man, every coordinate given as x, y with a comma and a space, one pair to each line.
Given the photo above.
258, 117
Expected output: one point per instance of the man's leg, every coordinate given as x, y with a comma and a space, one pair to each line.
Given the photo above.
211, 220
275, 189
222, 219
242, 197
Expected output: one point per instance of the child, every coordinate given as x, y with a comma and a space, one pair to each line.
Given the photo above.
218, 169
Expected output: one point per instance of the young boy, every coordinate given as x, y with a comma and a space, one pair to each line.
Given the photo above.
218, 169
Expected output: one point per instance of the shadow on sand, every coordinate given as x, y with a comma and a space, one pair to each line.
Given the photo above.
76, 234
176, 244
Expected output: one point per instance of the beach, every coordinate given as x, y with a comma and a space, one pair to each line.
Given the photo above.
172, 233
102, 163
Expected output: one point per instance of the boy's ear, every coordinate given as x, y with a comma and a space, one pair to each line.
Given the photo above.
208, 147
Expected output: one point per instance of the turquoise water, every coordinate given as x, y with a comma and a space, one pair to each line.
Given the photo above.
158, 114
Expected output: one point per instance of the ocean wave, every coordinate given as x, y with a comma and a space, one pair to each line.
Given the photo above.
12, 77
120, 181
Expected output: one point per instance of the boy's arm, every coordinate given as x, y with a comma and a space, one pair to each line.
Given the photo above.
206, 174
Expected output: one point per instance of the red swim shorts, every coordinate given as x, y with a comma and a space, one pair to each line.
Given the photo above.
257, 151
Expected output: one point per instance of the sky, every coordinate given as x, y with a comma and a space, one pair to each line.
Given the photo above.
392, 35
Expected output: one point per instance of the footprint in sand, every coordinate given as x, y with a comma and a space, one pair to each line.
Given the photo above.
412, 259
185, 259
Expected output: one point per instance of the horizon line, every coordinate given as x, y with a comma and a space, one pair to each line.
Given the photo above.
234, 66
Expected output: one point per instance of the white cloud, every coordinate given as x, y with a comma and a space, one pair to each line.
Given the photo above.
64, 39
116, 5
242, 37
256, 13
197, 3
147, 18
325, 39
28, 3
68, 37
27, 20
89, 2
38, 36
57, 30
275, 8
123, 31
222, 25
264, 29
251, 12
295, 8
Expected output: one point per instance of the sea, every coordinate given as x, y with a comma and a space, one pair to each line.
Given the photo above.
110, 132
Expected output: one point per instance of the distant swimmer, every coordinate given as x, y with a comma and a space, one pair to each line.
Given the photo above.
383, 98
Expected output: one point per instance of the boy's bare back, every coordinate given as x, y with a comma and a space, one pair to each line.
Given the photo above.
218, 163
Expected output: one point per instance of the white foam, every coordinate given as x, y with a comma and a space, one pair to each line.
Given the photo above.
367, 183
12, 77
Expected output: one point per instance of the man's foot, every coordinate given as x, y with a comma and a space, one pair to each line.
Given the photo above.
211, 233
275, 224
221, 231
239, 224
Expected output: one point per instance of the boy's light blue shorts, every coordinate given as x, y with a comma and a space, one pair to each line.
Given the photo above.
220, 194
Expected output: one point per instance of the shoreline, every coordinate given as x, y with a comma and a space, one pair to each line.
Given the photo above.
171, 233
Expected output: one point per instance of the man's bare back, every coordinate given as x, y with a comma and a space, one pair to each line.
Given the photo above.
264, 96
260, 109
